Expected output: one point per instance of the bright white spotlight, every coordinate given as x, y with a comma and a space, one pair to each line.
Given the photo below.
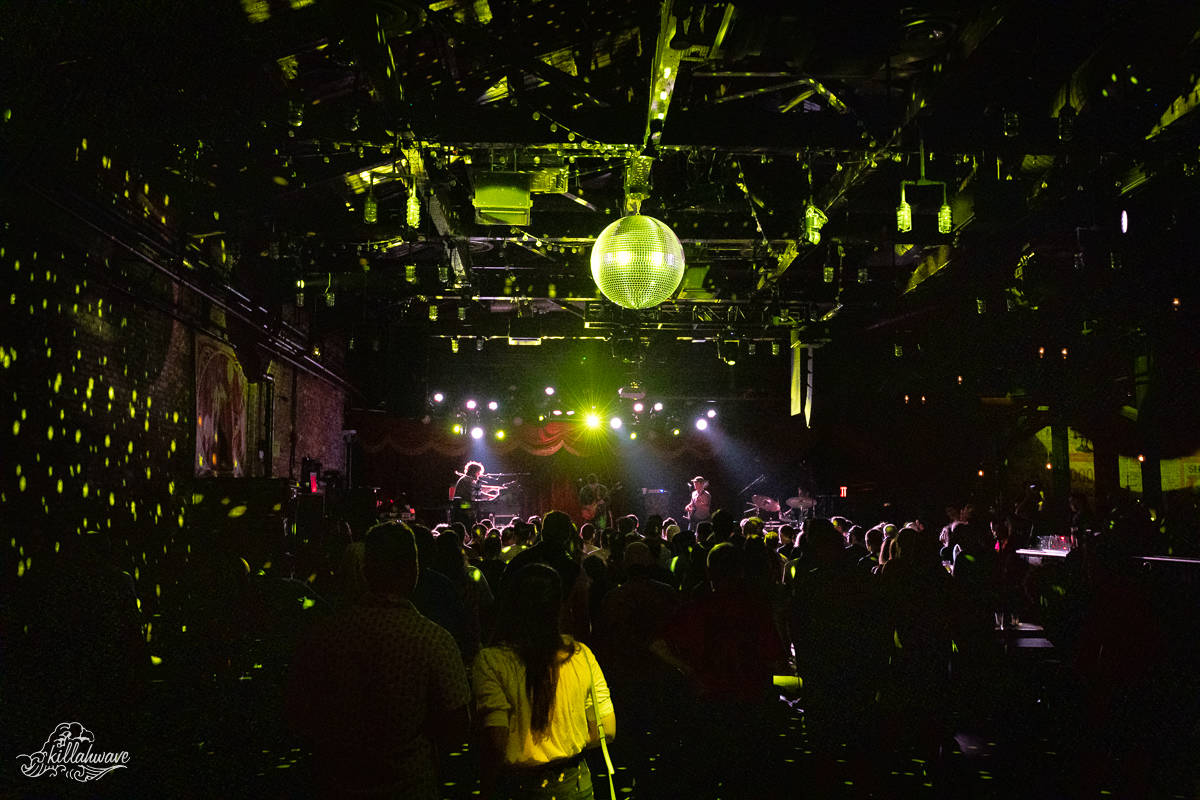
438, 397
701, 424
712, 412
1124, 222
593, 421
549, 390
477, 432
500, 434
471, 405
492, 406
658, 406
637, 408
615, 423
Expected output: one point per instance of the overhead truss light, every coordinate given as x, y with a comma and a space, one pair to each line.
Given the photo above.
814, 220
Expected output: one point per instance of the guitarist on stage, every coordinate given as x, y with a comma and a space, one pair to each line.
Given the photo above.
593, 502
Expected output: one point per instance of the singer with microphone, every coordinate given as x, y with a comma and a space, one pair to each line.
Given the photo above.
699, 509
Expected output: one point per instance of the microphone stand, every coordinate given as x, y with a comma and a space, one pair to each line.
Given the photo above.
753, 483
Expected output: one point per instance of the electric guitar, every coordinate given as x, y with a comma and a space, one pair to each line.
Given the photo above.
597, 507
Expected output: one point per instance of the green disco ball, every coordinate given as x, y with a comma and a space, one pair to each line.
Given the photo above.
637, 262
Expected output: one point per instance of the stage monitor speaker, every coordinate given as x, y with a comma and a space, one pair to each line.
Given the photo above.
658, 501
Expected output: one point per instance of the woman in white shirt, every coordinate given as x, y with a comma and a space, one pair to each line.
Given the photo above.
533, 697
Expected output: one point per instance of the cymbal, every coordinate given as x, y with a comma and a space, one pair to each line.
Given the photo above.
765, 503
801, 502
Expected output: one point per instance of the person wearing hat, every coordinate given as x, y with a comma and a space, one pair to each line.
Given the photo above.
699, 509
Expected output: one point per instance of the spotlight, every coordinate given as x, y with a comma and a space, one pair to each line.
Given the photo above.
675, 431
570, 413
775, 348
458, 429
593, 421
981, 473
549, 390
1124, 222
702, 424
1048, 465
712, 412
829, 274
492, 406
471, 404
462, 313
633, 434
638, 408
477, 433
1140, 458
658, 406
557, 412
615, 423
330, 299
433, 313
814, 218
454, 345
438, 397
371, 208
499, 434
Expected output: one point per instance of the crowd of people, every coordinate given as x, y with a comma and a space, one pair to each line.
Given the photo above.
686, 635
717, 642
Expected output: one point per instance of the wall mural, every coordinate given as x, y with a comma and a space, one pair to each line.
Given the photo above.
220, 410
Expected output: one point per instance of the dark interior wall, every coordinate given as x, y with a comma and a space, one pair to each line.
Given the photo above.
98, 401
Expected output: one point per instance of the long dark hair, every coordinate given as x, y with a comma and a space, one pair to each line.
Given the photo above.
528, 624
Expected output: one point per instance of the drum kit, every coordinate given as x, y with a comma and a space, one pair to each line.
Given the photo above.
768, 505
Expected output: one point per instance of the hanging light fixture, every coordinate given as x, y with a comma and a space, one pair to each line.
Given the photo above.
371, 206
637, 262
414, 208
945, 217
814, 219
903, 214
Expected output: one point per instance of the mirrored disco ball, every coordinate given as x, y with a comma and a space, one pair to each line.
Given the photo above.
637, 262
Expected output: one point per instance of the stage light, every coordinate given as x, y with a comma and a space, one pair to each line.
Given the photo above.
1140, 458
903, 215
479, 344
1124, 222
371, 208
557, 412
675, 431
775, 348
413, 208
499, 434
752, 348
814, 219
330, 299
438, 397
981, 473
458, 429
615, 423
712, 412
1048, 465
492, 406
433, 313
945, 219
637, 262
633, 434
471, 404
462, 313
570, 413
637, 408
477, 433
541, 417
549, 390
829, 274
454, 345
593, 421
701, 424
658, 406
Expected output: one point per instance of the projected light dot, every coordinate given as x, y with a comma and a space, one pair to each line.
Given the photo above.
471, 404
701, 424
499, 434
615, 423
638, 407
457, 430
549, 390
658, 406
675, 431
492, 406
476, 433
711, 413
438, 397
557, 412
633, 435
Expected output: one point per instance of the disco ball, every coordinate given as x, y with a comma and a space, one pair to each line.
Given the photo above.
637, 262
